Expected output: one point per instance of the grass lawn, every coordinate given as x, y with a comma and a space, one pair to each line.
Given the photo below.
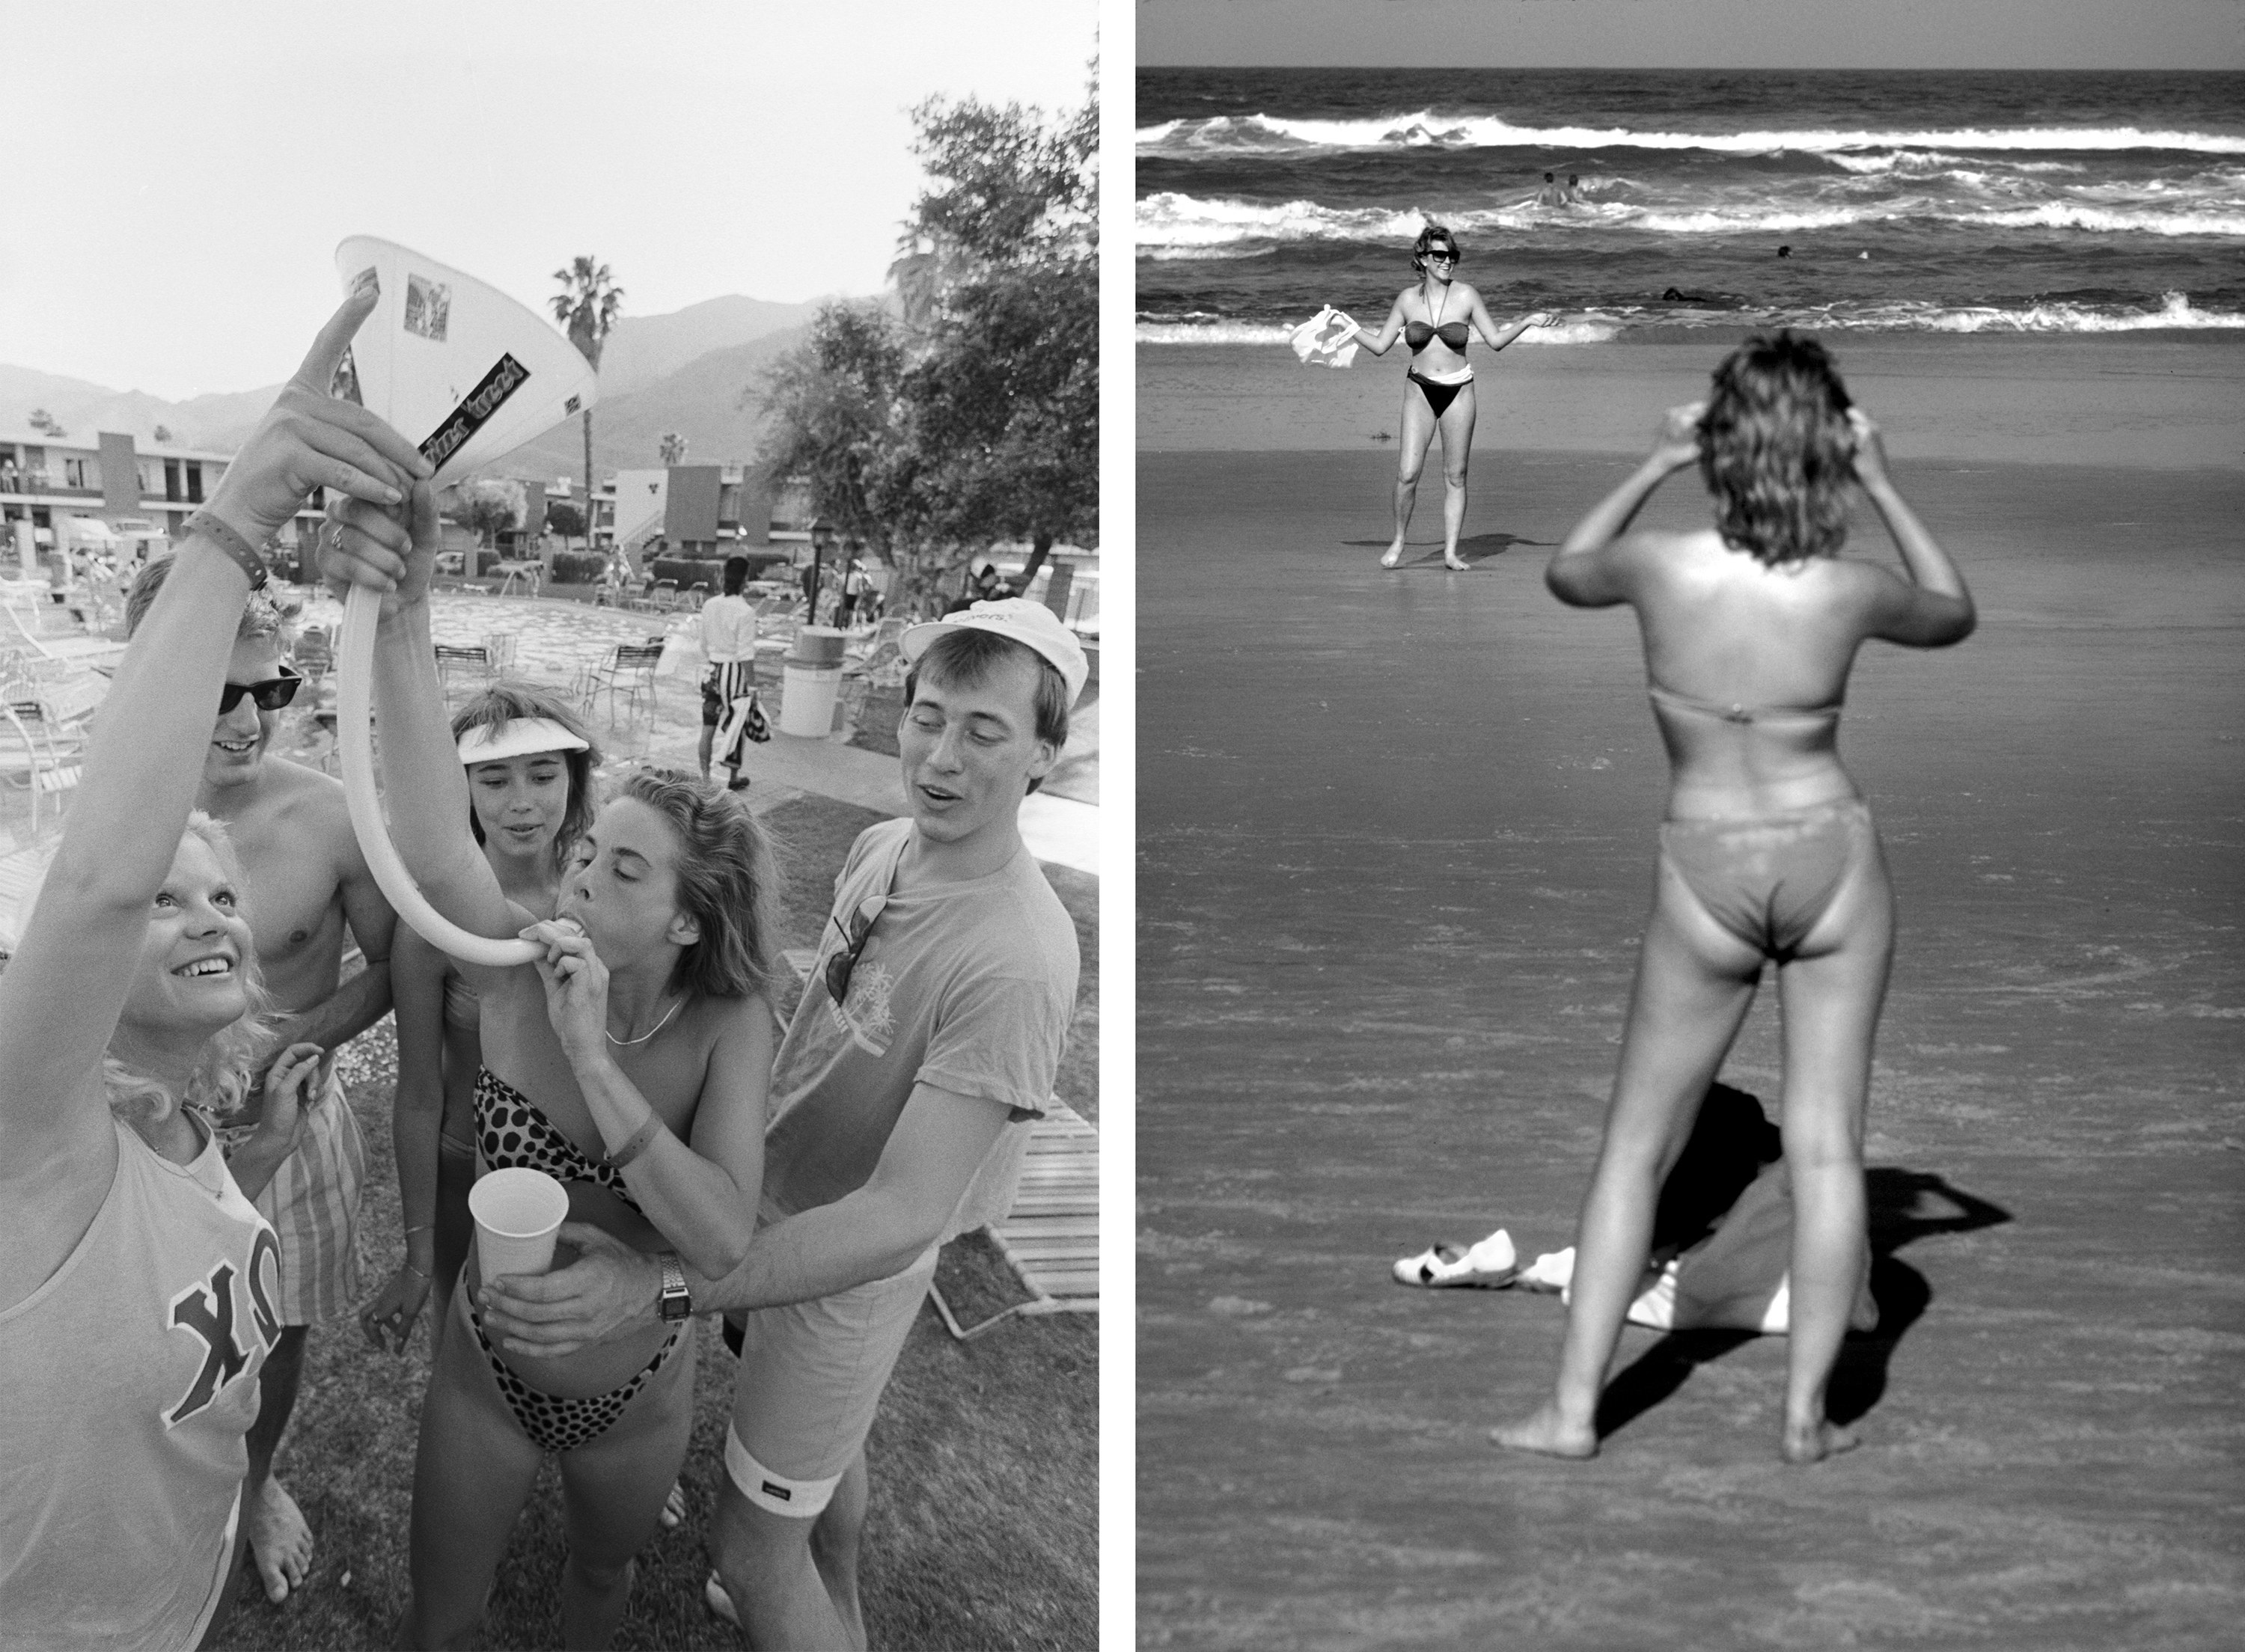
983, 1530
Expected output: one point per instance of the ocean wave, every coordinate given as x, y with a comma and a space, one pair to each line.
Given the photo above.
1172, 225
1425, 129
2175, 311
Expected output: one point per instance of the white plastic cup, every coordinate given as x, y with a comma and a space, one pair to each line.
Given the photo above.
517, 1212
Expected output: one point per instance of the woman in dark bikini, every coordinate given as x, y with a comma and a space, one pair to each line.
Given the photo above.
1769, 854
631, 1065
1437, 319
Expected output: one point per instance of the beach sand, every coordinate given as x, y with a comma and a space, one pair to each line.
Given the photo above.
1396, 833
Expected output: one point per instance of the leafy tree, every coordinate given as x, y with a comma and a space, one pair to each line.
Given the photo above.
587, 306
489, 507
830, 419
975, 416
43, 420
999, 272
163, 433
564, 519
674, 448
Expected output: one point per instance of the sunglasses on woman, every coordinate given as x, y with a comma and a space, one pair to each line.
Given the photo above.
269, 695
1434, 255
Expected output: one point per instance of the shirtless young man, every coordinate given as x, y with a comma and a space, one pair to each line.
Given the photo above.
307, 882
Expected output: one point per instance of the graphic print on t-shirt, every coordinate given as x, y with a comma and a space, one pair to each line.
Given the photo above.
205, 1309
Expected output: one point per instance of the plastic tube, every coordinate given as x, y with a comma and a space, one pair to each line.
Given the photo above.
355, 743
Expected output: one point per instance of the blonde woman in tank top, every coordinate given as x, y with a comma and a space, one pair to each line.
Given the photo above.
136, 1282
529, 763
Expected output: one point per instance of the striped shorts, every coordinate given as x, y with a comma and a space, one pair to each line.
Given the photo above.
312, 1202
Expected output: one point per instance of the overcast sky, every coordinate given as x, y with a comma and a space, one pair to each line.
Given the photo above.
178, 176
1839, 34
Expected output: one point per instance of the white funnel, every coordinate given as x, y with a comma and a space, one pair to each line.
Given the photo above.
467, 374
453, 365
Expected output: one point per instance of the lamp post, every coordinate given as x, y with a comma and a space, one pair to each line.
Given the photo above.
821, 537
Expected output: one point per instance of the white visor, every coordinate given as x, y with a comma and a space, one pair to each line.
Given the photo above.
517, 737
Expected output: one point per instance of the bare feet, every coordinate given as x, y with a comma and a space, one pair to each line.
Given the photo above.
1455, 563
1814, 1442
1548, 1432
1392, 556
279, 1541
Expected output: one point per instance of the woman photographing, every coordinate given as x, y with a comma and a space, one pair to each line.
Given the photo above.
1768, 854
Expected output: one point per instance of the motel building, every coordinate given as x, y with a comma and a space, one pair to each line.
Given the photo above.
61, 494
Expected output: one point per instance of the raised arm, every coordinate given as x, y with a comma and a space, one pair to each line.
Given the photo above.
1378, 342
59, 1002
1932, 609
422, 782
1495, 337
1590, 569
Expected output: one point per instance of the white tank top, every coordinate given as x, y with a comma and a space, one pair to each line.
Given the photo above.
131, 1379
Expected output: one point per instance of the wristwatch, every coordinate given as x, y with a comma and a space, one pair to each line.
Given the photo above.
676, 1301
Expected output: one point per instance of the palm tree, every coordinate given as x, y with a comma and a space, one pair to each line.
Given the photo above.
587, 306
673, 449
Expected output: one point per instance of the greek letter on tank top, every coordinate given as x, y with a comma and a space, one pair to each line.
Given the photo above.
131, 1377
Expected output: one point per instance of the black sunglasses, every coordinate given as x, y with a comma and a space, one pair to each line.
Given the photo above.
842, 964
269, 695
1435, 255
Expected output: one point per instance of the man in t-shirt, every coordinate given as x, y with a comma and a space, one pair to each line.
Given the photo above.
924, 1046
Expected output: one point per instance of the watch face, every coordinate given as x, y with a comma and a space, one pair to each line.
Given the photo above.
677, 1307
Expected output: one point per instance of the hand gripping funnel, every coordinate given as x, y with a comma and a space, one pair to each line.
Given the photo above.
467, 374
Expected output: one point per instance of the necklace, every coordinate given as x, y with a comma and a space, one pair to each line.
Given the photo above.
651, 1032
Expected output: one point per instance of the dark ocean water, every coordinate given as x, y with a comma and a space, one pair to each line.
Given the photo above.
1910, 200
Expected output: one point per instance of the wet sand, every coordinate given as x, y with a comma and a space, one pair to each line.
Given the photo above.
1395, 836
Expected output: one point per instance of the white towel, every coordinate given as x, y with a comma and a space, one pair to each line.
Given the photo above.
1327, 339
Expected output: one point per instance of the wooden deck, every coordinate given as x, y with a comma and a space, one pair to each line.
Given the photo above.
1051, 1235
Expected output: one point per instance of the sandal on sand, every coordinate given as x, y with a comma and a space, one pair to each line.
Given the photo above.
1490, 1265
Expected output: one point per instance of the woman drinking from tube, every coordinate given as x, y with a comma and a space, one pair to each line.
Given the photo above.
529, 764
1768, 855
136, 1282
630, 1063
1437, 319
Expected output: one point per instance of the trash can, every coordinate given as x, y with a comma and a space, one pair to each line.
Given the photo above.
810, 682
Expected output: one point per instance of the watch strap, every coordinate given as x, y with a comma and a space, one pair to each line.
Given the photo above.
223, 534
676, 1301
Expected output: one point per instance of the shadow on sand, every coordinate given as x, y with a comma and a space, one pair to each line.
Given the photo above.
1905, 1206
1474, 547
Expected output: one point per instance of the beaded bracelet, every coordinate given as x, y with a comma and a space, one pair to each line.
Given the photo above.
633, 1145
222, 534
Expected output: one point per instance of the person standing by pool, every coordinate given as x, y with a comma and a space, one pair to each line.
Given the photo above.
729, 641
1437, 319
1768, 854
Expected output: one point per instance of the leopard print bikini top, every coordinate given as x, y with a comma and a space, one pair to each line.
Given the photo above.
510, 1131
